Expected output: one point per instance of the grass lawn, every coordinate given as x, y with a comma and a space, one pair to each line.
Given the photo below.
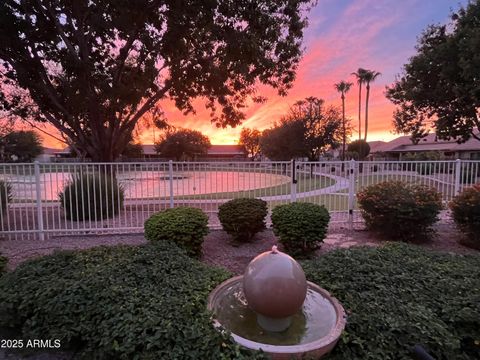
306, 183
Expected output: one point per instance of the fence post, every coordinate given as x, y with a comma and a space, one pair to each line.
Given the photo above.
293, 188
38, 191
170, 178
351, 192
458, 170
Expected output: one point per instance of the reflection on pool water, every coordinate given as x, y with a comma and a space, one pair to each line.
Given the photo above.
151, 184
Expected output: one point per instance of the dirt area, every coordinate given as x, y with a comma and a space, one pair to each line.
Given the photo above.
220, 250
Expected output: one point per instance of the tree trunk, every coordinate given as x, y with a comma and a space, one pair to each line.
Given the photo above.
366, 111
344, 135
360, 110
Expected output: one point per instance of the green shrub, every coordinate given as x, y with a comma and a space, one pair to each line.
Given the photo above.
466, 213
184, 226
3, 264
301, 227
5, 197
399, 295
124, 302
92, 197
400, 211
243, 218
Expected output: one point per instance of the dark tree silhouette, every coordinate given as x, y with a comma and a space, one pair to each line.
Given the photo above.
93, 69
440, 85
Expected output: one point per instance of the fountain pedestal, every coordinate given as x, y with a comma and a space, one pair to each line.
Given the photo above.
273, 308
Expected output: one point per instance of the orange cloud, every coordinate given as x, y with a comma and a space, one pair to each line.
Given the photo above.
342, 36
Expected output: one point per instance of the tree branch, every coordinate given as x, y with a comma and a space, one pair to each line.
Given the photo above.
59, 28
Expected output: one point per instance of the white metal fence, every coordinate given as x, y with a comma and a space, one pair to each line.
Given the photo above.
34, 208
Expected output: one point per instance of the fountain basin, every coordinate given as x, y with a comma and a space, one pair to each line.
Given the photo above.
314, 331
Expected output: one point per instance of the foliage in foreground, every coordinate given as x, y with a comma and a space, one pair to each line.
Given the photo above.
400, 211
243, 218
466, 213
301, 227
124, 302
92, 197
399, 295
184, 226
3, 264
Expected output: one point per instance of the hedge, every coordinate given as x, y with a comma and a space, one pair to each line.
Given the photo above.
92, 197
466, 214
301, 227
243, 218
400, 295
123, 302
399, 210
184, 226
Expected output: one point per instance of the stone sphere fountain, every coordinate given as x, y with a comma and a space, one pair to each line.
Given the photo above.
274, 308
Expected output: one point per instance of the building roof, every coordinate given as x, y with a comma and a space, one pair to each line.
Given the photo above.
50, 151
228, 150
374, 145
428, 143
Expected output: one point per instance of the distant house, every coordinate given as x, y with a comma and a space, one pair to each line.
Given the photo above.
46, 155
226, 152
450, 149
215, 153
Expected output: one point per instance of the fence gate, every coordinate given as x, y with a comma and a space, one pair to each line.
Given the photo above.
45, 199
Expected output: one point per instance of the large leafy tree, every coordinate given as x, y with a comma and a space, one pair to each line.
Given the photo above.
182, 144
250, 140
360, 148
284, 141
20, 146
93, 69
307, 130
440, 85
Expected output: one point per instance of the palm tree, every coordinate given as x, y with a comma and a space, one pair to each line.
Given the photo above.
360, 75
369, 77
343, 87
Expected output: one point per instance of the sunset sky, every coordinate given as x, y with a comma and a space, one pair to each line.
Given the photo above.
342, 36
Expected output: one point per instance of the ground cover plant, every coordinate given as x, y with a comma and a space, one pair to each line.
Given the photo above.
3, 264
301, 227
123, 302
466, 214
184, 226
399, 210
400, 295
92, 197
243, 218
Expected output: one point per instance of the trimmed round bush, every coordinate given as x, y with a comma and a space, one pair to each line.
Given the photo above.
5, 197
243, 218
92, 197
466, 214
184, 226
125, 302
400, 211
301, 227
400, 295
